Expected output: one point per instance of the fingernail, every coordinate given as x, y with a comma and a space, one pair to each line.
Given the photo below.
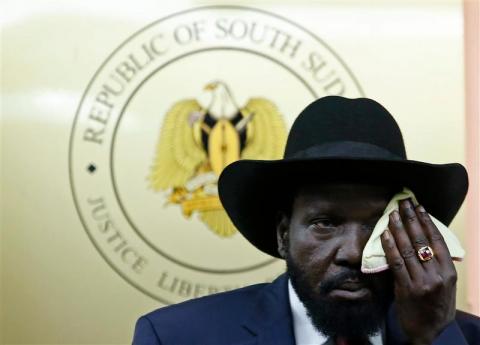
386, 235
395, 216
420, 209
407, 203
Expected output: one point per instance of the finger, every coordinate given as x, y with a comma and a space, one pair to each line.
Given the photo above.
395, 260
435, 238
408, 253
416, 233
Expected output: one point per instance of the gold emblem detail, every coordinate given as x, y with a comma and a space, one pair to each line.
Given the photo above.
196, 143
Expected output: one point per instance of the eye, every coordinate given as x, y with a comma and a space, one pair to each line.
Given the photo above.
323, 224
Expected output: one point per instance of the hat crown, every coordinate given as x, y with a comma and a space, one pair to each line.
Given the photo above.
345, 127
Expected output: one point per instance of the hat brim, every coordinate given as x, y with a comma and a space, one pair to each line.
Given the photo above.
252, 191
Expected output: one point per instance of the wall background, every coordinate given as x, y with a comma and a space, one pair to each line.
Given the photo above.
55, 287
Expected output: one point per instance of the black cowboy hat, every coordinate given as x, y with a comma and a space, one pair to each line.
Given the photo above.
335, 139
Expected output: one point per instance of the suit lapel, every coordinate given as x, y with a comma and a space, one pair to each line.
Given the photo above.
394, 333
270, 319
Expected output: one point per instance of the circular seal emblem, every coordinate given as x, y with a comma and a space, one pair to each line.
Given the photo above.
163, 115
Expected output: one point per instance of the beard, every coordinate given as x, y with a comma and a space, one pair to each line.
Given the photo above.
355, 320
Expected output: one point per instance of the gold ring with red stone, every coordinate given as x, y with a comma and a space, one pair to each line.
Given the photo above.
425, 253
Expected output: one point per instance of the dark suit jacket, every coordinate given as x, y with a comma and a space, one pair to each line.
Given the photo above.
259, 314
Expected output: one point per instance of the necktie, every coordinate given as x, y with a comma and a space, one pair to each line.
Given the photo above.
341, 341
356, 341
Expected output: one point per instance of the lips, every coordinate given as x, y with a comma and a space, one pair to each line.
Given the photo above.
351, 290
351, 286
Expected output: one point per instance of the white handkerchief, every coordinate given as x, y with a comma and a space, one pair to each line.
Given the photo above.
373, 259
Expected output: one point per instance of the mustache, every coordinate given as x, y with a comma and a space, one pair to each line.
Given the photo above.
333, 282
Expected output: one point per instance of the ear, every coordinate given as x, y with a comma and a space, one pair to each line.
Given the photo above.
282, 234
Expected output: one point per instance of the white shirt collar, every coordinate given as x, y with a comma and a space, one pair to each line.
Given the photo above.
304, 331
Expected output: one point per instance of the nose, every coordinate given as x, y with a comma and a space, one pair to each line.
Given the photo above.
351, 244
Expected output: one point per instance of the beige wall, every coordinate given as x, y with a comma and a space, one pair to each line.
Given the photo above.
472, 106
55, 286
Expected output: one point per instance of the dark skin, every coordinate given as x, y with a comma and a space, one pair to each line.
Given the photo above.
328, 228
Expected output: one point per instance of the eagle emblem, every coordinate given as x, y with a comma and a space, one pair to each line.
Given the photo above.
197, 142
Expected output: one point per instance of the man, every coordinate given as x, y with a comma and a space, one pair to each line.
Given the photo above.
316, 208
